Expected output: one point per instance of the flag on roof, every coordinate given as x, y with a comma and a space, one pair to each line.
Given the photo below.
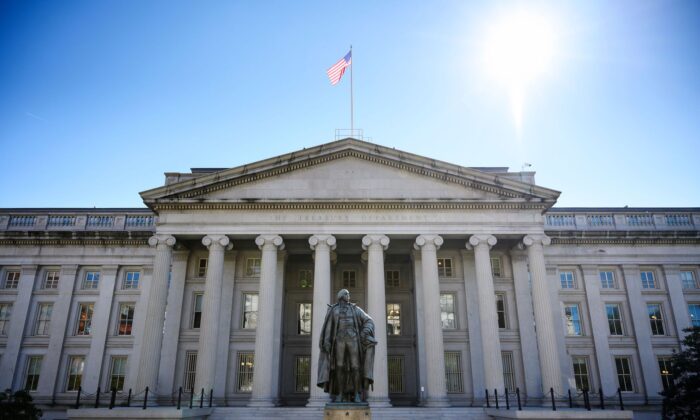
338, 69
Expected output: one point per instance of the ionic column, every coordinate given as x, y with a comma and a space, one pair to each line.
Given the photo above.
544, 323
375, 245
434, 348
678, 303
490, 340
263, 394
322, 245
209, 327
152, 334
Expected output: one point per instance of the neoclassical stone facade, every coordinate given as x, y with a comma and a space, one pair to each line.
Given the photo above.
222, 284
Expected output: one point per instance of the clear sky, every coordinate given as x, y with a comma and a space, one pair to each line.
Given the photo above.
99, 98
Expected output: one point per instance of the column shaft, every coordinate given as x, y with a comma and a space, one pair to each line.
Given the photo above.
544, 322
678, 303
434, 347
376, 307
152, 334
263, 394
322, 246
209, 327
100, 329
490, 340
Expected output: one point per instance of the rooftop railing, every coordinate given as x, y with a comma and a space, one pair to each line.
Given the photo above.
621, 220
77, 221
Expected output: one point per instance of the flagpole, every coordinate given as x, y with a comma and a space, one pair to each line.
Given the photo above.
352, 117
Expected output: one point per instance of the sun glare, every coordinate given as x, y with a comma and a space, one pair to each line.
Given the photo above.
518, 49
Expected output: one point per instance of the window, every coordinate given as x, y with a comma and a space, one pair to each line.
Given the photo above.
501, 310
496, 267
614, 318
117, 373
393, 278
656, 320
508, 371
5, 312
304, 325
395, 373
693, 311
190, 369
131, 280
665, 372
447, 311
126, 318
581, 372
444, 267
607, 280
647, 278
43, 319
688, 280
252, 267
624, 374
91, 280
84, 319
197, 302
31, 381
246, 365
75, 372
12, 279
393, 319
567, 280
306, 279
202, 267
250, 311
51, 280
573, 319
453, 371
349, 279
302, 373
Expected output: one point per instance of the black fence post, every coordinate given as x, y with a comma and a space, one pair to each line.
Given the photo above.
201, 399
77, 399
517, 394
97, 398
586, 401
179, 397
571, 401
507, 402
145, 399
551, 393
619, 394
211, 396
487, 399
602, 399
113, 398
128, 399
495, 397
191, 397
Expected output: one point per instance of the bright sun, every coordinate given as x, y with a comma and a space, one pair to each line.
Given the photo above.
518, 49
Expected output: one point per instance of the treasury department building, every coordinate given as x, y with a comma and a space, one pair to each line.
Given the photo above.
474, 280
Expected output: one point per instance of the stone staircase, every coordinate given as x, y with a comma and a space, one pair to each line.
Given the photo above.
393, 413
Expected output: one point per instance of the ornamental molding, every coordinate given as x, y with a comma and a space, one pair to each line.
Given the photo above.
75, 242
626, 241
330, 205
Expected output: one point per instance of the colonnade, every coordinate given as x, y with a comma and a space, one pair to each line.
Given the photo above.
264, 391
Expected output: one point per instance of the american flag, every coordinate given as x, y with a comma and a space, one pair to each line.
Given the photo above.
336, 72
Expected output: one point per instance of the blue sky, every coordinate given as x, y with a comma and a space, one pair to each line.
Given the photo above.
98, 99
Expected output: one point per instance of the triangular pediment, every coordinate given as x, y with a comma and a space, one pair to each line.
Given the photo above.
349, 170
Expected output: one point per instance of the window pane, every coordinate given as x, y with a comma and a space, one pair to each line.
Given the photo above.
304, 324
648, 281
573, 319
43, 319
245, 372
202, 267
349, 279
447, 311
5, 311
607, 280
306, 279
688, 280
33, 370
250, 313
665, 372
453, 371
51, 280
501, 310
392, 279
75, 372
580, 365
118, 373
395, 371
190, 370
566, 279
252, 267
508, 371
84, 319
302, 373
656, 321
126, 318
444, 267
624, 374
131, 280
91, 280
694, 311
393, 319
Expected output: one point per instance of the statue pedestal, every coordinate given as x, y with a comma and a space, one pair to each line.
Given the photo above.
347, 411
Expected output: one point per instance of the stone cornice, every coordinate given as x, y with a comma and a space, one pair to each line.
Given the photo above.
74, 242
350, 205
626, 241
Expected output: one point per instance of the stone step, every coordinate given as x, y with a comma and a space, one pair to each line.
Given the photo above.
304, 413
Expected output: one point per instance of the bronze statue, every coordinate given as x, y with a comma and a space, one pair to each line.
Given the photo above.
346, 360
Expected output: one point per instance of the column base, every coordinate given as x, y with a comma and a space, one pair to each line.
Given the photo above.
379, 402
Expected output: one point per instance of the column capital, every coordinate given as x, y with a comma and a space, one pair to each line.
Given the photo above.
477, 240
155, 240
328, 240
530, 240
221, 240
270, 240
422, 241
371, 240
